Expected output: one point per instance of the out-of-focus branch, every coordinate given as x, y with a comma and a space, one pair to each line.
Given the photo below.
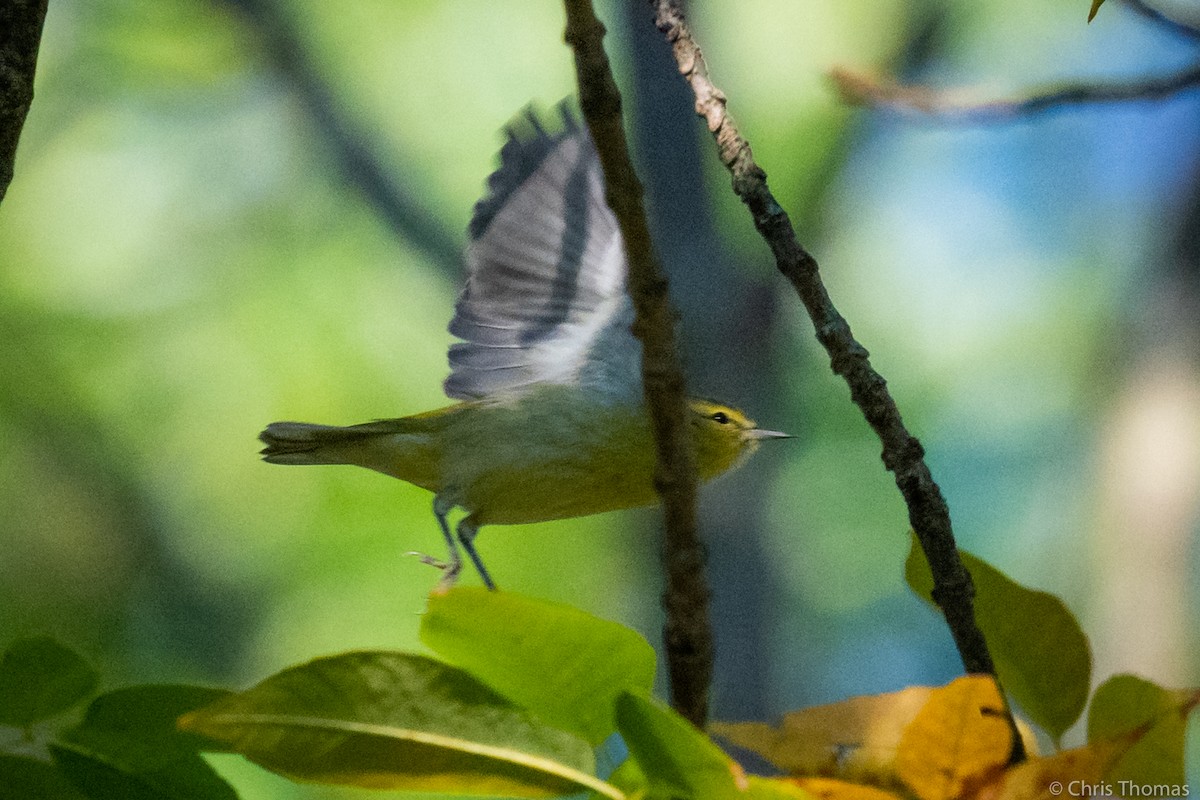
861, 89
21, 24
1174, 25
40, 404
352, 146
688, 632
964, 105
902, 454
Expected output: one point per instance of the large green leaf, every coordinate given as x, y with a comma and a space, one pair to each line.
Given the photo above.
562, 664
398, 721
128, 746
40, 678
676, 759
1154, 718
1042, 656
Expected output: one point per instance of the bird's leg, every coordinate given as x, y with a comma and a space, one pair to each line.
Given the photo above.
466, 534
452, 566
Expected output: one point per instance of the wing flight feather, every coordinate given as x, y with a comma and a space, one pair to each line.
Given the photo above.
544, 300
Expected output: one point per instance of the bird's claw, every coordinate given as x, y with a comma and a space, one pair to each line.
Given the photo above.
425, 558
450, 570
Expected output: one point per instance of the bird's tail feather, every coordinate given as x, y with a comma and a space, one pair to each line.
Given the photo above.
405, 448
306, 443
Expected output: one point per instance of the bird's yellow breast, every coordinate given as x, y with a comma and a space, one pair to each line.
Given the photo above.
550, 454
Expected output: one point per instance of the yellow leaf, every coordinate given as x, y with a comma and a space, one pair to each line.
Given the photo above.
937, 743
958, 742
855, 739
833, 789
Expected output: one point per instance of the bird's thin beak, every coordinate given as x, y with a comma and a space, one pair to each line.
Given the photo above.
759, 433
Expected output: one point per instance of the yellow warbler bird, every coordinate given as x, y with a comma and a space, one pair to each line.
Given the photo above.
551, 422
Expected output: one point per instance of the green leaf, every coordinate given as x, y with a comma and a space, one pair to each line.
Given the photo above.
40, 678
512, 643
629, 778
397, 721
1042, 656
677, 760
1154, 718
100, 779
128, 746
136, 726
1095, 7
25, 778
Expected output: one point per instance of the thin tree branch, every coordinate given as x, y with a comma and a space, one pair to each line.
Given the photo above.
860, 89
350, 143
21, 24
902, 454
964, 106
688, 633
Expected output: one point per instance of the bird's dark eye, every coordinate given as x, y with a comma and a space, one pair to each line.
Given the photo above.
721, 418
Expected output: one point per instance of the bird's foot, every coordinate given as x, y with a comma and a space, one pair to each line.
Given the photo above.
450, 570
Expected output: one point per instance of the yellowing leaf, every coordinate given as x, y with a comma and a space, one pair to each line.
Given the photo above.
1127, 706
397, 721
1099, 768
1076, 773
934, 743
833, 789
855, 739
958, 741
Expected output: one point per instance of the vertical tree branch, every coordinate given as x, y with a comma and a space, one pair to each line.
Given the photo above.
688, 634
902, 454
20, 36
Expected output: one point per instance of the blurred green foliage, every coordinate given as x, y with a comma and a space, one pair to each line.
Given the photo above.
183, 258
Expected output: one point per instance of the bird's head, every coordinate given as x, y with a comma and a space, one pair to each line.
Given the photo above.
724, 437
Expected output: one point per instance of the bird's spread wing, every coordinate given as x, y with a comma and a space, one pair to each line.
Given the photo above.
545, 298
